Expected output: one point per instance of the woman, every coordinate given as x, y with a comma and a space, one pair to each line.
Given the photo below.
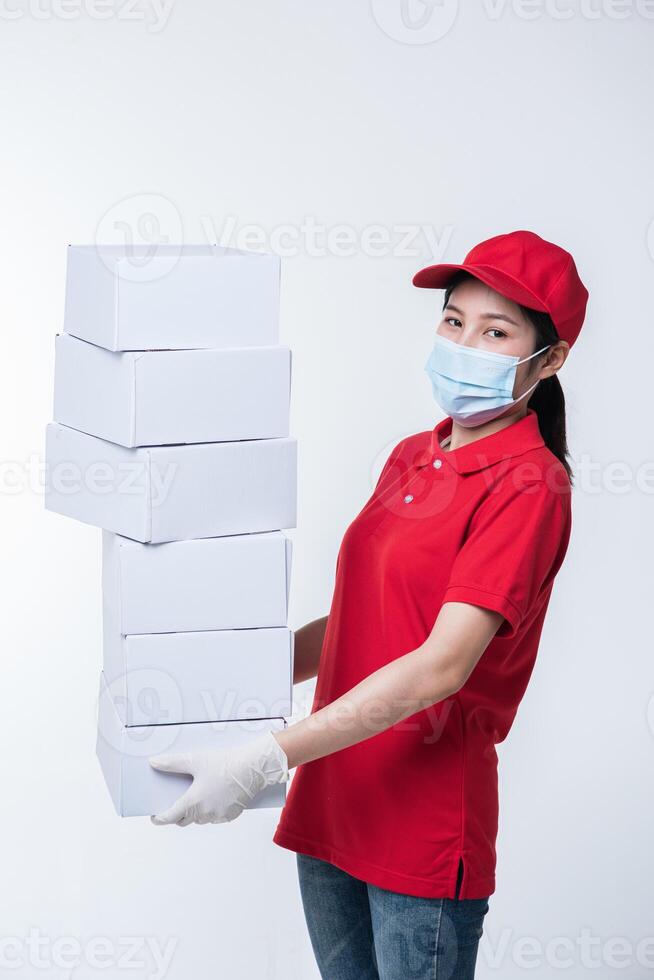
442, 584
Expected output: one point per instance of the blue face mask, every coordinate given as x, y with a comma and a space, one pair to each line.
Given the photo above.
473, 385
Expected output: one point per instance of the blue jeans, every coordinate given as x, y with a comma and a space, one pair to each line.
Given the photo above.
362, 932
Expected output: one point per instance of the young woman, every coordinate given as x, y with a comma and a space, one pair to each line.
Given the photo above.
442, 584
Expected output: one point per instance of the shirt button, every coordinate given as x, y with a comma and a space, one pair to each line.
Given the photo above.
408, 498
437, 463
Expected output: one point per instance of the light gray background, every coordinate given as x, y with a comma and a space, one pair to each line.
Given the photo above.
444, 129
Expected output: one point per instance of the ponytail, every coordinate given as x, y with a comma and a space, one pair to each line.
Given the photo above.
547, 398
548, 401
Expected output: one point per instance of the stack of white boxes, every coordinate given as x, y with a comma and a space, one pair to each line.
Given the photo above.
171, 433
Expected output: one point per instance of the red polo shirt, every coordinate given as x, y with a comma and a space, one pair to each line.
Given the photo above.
486, 524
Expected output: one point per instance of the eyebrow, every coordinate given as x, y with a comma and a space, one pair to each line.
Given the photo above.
488, 316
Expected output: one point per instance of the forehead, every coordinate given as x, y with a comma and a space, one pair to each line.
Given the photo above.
473, 295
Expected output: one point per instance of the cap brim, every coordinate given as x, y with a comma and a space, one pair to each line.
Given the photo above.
439, 276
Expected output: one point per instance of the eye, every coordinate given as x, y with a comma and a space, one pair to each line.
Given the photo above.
498, 331
448, 319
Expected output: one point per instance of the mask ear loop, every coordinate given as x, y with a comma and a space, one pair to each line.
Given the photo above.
536, 382
533, 355
520, 397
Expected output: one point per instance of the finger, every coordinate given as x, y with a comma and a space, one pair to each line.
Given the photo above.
172, 762
174, 812
186, 819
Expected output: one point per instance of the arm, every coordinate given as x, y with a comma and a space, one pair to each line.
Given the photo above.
412, 682
226, 780
308, 646
514, 548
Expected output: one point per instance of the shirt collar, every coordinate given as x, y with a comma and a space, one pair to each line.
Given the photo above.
513, 440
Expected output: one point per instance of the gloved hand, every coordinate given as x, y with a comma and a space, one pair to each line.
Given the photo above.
224, 780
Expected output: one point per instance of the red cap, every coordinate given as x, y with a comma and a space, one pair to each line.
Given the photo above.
526, 269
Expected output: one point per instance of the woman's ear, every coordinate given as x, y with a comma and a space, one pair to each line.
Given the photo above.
557, 356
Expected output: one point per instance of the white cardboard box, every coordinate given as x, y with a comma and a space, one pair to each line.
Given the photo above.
172, 493
171, 296
136, 788
154, 398
212, 675
239, 581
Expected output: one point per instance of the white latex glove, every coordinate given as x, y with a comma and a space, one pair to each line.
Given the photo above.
224, 780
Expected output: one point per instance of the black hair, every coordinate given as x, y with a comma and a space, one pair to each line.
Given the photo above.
547, 398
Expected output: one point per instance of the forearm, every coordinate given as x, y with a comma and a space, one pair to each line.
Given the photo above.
307, 648
397, 690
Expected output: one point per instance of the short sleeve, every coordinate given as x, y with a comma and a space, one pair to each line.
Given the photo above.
516, 542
